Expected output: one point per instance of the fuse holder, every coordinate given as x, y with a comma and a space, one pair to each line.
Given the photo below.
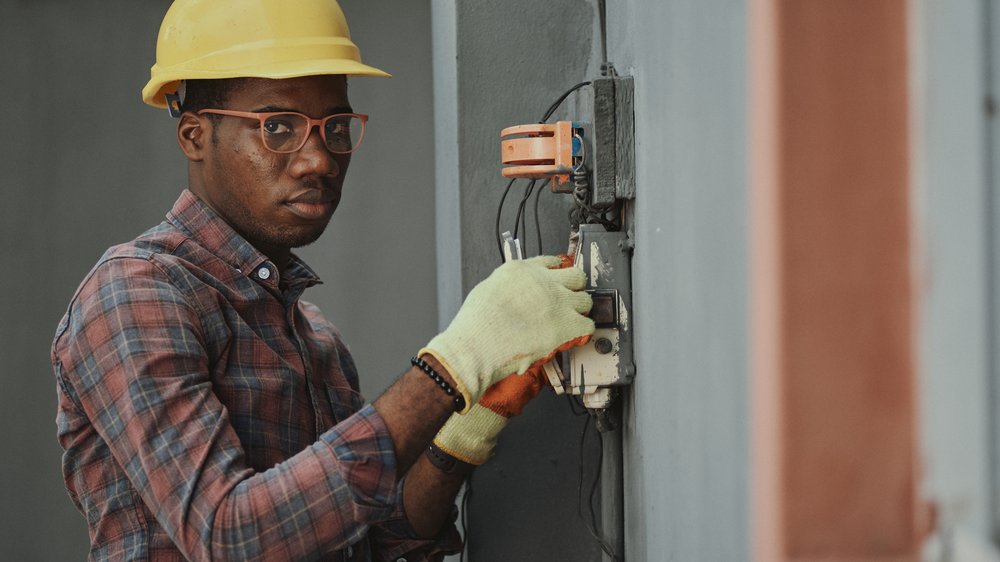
540, 151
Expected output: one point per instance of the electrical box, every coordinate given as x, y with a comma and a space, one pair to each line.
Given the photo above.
606, 361
613, 143
593, 161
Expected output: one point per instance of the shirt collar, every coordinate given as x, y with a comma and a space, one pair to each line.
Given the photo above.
195, 218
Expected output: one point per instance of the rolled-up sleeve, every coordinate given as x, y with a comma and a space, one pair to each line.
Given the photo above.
395, 538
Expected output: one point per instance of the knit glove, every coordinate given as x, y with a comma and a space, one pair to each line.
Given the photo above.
517, 317
471, 438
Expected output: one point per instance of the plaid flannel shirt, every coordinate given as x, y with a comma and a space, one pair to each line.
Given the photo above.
206, 413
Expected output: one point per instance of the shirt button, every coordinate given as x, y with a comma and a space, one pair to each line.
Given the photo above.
401, 560
350, 552
264, 273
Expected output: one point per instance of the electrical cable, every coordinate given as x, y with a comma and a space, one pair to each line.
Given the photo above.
555, 105
579, 484
548, 113
602, 15
524, 214
499, 209
592, 526
573, 402
597, 480
594, 531
519, 219
538, 224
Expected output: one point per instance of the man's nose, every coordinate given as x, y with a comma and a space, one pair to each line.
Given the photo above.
314, 158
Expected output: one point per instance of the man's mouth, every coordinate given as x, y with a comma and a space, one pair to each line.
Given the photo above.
312, 204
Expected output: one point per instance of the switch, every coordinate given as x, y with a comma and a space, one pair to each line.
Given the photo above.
607, 361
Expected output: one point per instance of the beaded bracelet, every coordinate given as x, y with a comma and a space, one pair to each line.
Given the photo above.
439, 380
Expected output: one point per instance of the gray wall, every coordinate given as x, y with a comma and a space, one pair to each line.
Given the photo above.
86, 165
958, 210
686, 444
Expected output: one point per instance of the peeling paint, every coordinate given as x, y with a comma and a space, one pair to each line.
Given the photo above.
598, 266
622, 315
595, 263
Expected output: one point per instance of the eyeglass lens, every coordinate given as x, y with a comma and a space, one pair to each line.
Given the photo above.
286, 132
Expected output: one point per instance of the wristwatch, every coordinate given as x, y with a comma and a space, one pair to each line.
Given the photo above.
445, 462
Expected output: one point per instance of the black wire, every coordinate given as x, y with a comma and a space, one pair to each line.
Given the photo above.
522, 210
573, 402
592, 526
579, 485
538, 224
602, 14
552, 109
594, 531
558, 102
499, 209
597, 480
521, 215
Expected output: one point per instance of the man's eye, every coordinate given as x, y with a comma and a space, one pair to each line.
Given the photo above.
277, 127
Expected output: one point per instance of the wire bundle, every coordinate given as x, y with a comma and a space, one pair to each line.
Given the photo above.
520, 220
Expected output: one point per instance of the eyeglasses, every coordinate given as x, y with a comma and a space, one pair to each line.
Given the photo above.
286, 132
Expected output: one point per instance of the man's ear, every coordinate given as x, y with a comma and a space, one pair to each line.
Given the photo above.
193, 135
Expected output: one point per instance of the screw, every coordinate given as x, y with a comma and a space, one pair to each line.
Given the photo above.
604, 346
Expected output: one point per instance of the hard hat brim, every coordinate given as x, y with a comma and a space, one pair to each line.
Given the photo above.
168, 81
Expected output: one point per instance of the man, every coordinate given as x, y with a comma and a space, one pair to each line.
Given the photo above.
206, 412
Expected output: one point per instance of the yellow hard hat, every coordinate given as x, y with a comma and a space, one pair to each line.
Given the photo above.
204, 39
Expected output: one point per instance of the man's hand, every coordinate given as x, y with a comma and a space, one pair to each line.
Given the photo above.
517, 317
471, 438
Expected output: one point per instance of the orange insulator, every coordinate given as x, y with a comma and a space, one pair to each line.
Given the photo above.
539, 151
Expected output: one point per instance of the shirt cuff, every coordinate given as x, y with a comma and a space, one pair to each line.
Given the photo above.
395, 538
365, 451
361, 445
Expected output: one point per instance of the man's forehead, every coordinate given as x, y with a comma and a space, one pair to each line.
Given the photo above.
323, 92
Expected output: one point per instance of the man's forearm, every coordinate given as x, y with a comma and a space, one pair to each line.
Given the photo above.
414, 409
429, 495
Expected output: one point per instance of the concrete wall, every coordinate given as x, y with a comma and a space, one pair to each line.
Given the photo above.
992, 19
686, 461
686, 444
86, 165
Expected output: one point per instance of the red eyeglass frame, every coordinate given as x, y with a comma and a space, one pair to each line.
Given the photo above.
310, 123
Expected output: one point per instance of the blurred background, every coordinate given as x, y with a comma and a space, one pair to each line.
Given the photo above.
815, 273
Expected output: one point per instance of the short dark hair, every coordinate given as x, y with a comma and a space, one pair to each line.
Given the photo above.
209, 94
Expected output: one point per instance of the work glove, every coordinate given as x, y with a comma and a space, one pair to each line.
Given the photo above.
517, 317
471, 438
